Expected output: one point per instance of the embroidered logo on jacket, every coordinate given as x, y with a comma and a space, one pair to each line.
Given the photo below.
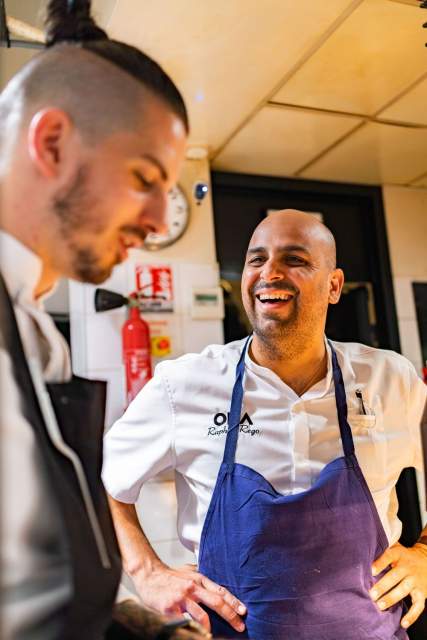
220, 425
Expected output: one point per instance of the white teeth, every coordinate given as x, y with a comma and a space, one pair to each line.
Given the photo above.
274, 296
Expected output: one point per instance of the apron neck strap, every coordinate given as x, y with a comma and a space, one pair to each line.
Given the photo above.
237, 400
341, 402
235, 409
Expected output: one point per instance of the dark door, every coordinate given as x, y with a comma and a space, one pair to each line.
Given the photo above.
366, 312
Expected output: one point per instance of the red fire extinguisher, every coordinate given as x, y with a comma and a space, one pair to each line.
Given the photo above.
136, 350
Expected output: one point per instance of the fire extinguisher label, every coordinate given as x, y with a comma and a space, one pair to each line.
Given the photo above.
138, 371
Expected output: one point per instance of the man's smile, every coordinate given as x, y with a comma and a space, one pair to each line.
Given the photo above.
274, 298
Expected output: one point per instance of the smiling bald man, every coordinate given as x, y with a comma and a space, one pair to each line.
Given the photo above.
286, 449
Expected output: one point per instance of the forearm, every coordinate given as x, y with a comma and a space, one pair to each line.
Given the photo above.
132, 622
166, 590
138, 555
138, 622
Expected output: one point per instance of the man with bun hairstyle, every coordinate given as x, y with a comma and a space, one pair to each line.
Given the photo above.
92, 138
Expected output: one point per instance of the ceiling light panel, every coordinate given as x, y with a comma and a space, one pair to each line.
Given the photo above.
375, 154
278, 141
377, 53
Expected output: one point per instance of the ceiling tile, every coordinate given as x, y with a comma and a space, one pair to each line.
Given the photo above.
102, 11
30, 11
375, 154
412, 107
421, 182
373, 56
278, 140
225, 56
34, 11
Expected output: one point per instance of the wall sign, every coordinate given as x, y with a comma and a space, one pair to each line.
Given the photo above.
154, 282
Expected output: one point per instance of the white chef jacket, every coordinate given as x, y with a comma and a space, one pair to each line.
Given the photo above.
178, 421
35, 578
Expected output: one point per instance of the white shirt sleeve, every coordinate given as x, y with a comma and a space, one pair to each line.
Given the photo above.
417, 398
140, 445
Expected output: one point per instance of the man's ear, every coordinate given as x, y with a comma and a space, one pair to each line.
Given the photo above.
48, 134
335, 285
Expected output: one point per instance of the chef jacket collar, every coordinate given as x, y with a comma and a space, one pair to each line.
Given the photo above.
21, 269
318, 390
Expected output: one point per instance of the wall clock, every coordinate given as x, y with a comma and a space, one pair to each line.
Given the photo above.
177, 216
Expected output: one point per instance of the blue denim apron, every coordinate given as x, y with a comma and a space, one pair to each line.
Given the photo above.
301, 563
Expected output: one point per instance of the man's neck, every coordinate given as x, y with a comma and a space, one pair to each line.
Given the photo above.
299, 367
48, 277
29, 232
47, 281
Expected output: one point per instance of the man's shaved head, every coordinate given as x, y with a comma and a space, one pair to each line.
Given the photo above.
289, 280
307, 223
99, 97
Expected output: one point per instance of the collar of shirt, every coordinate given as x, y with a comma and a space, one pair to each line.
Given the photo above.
21, 269
318, 390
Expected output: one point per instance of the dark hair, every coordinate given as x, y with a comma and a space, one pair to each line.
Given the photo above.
71, 21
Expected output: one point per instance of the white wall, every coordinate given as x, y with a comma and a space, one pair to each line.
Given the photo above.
406, 220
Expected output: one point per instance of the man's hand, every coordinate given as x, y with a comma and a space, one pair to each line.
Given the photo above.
406, 577
174, 591
132, 622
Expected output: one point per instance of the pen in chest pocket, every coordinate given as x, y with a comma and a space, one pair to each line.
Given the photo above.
361, 403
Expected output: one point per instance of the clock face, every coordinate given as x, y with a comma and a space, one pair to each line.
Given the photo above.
177, 216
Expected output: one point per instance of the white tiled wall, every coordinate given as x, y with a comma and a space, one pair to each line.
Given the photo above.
157, 512
406, 315
158, 499
406, 220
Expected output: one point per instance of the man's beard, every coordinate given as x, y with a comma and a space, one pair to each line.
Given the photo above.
274, 326
286, 337
72, 207
86, 266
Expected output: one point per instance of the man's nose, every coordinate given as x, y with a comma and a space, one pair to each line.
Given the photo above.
155, 215
272, 270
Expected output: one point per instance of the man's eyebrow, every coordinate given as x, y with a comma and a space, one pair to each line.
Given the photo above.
158, 164
284, 249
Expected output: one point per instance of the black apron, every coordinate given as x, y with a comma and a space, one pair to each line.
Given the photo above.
73, 472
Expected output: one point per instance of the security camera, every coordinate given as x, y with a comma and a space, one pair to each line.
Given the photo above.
201, 189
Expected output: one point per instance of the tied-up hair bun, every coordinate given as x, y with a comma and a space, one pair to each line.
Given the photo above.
71, 21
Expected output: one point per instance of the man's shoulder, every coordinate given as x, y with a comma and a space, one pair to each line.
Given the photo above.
213, 358
355, 352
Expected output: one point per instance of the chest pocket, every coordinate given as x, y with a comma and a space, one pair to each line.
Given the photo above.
362, 423
369, 423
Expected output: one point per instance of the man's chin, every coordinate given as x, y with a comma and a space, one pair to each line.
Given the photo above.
94, 276
276, 319
274, 326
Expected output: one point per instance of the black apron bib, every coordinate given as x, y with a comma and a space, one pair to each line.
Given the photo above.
74, 475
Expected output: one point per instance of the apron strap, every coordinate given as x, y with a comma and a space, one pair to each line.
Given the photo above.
235, 409
237, 400
341, 402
